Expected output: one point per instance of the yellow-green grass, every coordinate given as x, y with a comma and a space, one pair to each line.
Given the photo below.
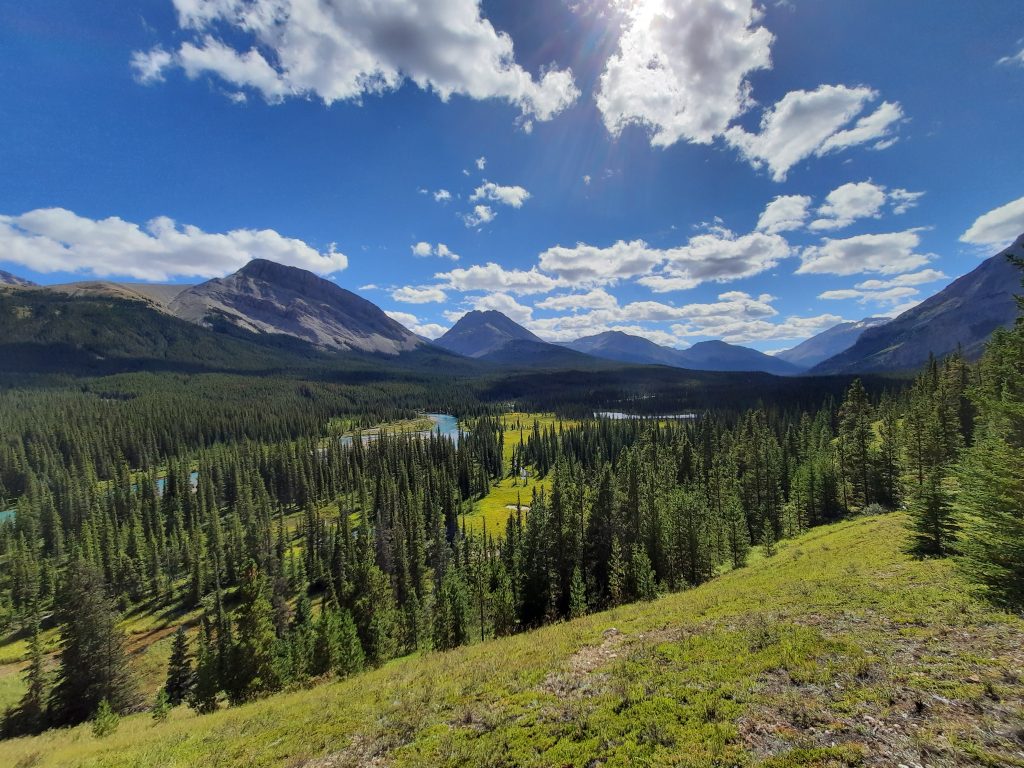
838, 651
494, 509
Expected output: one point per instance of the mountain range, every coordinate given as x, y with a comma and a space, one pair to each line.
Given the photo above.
270, 303
703, 356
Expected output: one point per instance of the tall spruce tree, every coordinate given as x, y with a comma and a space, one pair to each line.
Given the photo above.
94, 665
179, 670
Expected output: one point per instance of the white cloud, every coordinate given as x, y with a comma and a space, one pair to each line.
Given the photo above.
492, 277
589, 264
888, 254
1016, 59
148, 66
893, 295
865, 199
805, 123
850, 202
586, 179
481, 163
424, 249
514, 195
57, 240
595, 299
998, 227
681, 68
442, 196
505, 304
343, 51
718, 256
482, 214
911, 278
423, 294
784, 213
410, 321
903, 200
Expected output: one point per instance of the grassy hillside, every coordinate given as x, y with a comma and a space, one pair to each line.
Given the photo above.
838, 651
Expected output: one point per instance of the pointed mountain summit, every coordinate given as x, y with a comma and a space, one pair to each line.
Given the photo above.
480, 333
826, 344
962, 315
266, 297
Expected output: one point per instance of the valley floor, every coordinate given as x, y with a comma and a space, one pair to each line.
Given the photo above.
838, 651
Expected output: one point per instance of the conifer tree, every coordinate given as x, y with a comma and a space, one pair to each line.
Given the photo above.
94, 664
179, 670
577, 595
351, 658
255, 667
206, 684
327, 642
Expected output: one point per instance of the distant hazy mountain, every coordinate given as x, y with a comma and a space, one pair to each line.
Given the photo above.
963, 314
477, 334
266, 297
828, 343
720, 356
704, 356
523, 353
625, 348
6, 278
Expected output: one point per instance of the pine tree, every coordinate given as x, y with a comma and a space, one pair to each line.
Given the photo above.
990, 504
503, 603
350, 651
934, 527
179, 670
616, 576
162, 706
327, 642
577, 595
30, 714
94, 664
206, 683
104, 720
255, 668
641, 576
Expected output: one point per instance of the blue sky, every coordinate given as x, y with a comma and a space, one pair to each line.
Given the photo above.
606, 165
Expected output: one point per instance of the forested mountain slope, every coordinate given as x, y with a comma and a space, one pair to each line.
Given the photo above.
962, 316
840, 650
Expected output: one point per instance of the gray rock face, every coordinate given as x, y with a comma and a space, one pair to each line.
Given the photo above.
828, 343
477, 334
266, 297
962, 315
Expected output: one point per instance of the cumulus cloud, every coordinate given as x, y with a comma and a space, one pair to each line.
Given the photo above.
514, 196
894, 295
424, 249
784, 213
865, 199
57, 240
911, 278
481, 214
805, 123
505, 304
423, 294
410, 321
589, 264
681, 68
850, 202
718, 256
481, 163
887, 254
342, 51
492, 277
442, 196
998, 227
595, 299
